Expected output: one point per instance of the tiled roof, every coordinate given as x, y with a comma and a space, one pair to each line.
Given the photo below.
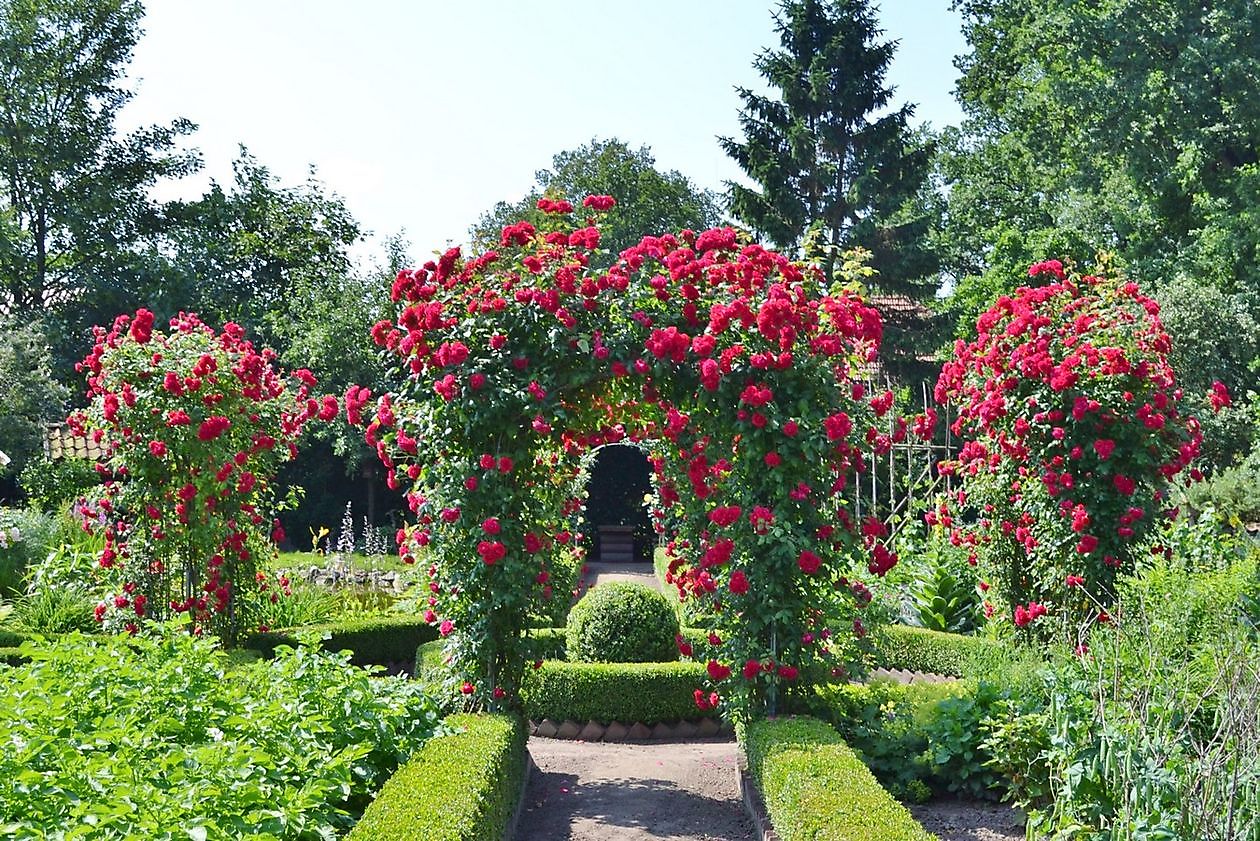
60, 442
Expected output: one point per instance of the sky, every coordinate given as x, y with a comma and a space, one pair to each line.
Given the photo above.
422, 115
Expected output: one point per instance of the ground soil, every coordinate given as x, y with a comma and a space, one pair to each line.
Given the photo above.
680, 791
970, 820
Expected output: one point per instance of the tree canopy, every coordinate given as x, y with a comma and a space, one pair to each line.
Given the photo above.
647, 198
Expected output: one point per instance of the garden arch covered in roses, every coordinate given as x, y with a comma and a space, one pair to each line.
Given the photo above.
737, 369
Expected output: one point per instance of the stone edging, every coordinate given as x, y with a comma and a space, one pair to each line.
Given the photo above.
754, 806
594, 731
907, 676
530, 770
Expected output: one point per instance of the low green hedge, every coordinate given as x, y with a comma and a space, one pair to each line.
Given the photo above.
460, 787
12, 656
11, 639
377, 641
816, 788
921, 650
607, 692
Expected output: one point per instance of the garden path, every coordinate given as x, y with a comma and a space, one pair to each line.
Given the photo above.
640, 573
600, 791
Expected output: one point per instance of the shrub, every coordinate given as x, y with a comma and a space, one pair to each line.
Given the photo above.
607, 692
622, 622
119, 738
1155, 726
816, 788
53, 610
198, 422
935, 652
377, 641
459, 787
1074, 431
25, 538
52, 485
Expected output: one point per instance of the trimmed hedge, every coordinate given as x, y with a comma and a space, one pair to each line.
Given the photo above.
377, 641
11, 639
12, 656
607, 692
816, 788
921, 650
460, 787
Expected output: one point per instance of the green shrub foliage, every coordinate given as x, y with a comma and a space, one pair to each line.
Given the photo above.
459, 787
121, 738
378, 641
622, 622
816, 788
607, 692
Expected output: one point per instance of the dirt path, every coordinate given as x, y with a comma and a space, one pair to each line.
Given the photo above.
588, 791
970, 820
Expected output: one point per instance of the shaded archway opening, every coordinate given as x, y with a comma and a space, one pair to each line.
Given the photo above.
617, 522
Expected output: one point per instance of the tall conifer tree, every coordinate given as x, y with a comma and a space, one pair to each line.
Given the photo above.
830, 173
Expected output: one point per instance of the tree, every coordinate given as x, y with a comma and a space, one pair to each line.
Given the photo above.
1128, 127
28, 394
73, 193
648, 200
830, 174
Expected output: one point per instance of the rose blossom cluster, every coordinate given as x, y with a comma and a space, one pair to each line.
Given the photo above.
1072, 432
194, 424
725, 360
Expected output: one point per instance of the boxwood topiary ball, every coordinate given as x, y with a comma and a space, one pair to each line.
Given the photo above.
622, 622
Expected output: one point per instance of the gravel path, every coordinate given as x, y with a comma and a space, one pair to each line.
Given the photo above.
589, 791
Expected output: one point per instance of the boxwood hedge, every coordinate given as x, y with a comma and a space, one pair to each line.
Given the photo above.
607, 692
376, 641
921, 650
459, 787
816, 788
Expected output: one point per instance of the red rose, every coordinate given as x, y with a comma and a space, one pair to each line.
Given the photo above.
738, 583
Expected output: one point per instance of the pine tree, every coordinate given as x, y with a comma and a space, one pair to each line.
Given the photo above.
831, 175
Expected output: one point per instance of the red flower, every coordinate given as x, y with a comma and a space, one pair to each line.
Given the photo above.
717, 671
723, 517
1219, 397
142, 326
752, 668
808, 562
1104, 447
491, 525
157, 448
212, 427
599, 203
772, 459
1075, 581
738, 583
788, 672
684, 647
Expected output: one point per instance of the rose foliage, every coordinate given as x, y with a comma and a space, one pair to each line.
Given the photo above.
733, 365
1070, 416
195, 424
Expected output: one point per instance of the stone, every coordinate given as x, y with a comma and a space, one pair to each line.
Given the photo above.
638, 732
568, 730
616, 732
685, 729
546, 728
708, 727
592, 732
662, 731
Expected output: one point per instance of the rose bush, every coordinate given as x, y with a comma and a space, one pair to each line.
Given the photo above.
733, 365
195, 424
1072, 435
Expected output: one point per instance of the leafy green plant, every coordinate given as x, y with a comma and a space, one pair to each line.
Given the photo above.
622, 622
1154, 727
119, 738
53, 610
945, 601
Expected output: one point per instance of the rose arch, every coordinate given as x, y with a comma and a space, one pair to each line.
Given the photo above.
733, 365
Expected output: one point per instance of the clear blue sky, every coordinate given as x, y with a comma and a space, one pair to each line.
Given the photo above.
423, 114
